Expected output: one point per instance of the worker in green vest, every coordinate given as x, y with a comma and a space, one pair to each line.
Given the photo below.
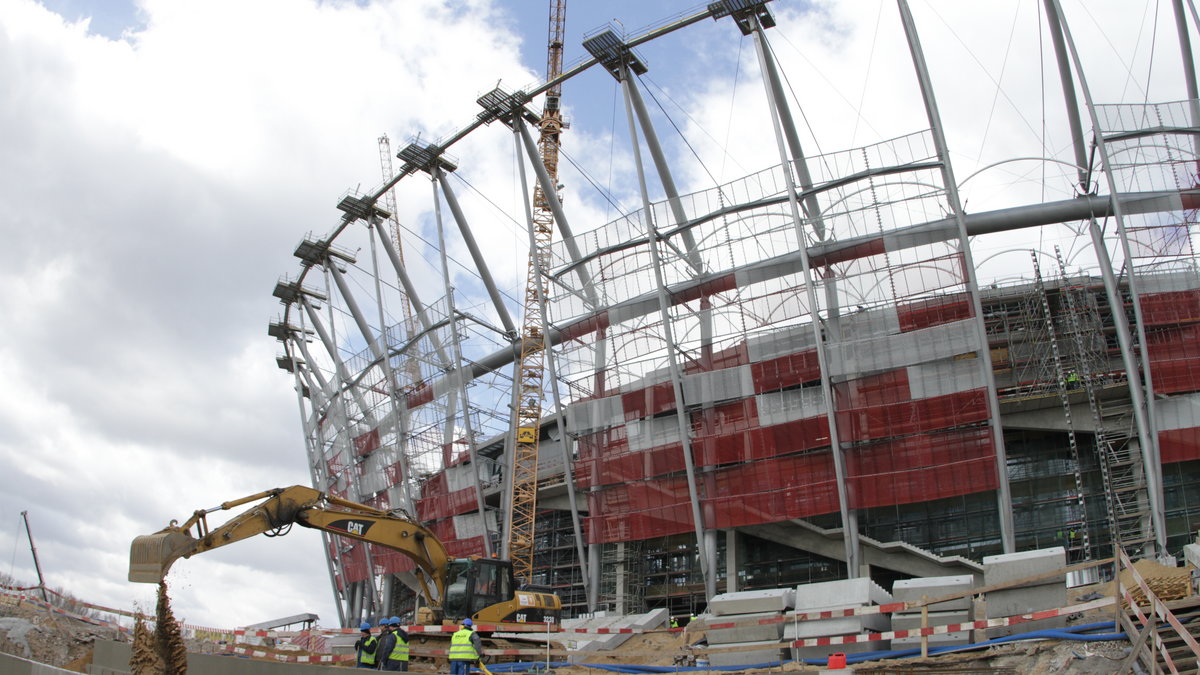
364, 648
397, 658
465, 649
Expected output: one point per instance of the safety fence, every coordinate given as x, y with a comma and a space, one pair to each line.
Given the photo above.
1153, 618
1151, 623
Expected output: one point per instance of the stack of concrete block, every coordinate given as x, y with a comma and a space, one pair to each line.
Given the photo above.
582, 645
1034, 596
961, 610
833, 595
760, 641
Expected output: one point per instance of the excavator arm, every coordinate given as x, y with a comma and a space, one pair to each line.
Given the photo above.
152, 555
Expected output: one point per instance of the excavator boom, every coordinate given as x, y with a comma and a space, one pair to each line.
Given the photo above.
151, 556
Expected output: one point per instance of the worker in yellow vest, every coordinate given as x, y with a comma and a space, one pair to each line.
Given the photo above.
365, 647
397, 658
465, 649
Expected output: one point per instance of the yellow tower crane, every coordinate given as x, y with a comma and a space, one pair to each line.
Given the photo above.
529, 405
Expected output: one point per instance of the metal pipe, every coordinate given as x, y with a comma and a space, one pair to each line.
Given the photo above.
1004, 493
849, 522
37, 565
481, 265
1143, 402
456, 346
668, 336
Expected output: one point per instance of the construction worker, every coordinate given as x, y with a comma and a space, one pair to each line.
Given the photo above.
387, 642
397, 658
465, 649
674, 622
365, 647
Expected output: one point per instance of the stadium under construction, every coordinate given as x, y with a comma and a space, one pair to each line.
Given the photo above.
797, 375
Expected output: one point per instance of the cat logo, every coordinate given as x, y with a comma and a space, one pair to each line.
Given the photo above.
354, 528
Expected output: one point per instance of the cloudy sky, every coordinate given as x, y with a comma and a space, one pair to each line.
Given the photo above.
161, 159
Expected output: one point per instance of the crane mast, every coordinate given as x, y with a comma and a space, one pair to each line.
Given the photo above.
529, 405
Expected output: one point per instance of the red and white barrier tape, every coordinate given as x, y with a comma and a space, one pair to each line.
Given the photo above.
495, 628
954, 627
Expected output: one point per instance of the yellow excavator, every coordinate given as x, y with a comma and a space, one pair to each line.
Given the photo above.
482, 589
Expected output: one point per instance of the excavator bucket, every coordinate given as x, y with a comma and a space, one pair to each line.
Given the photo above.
151, 555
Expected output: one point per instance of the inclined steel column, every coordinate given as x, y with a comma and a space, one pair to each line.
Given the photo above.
378, 346
849, 523
522, 133
315, 459
340, 367
1111, 287
634, 96
480, 262
1072, 103
560, 217
664, 309
399, 426
1148, 438
456, 347
1189, 71
1004, 493
812, 209
411, 291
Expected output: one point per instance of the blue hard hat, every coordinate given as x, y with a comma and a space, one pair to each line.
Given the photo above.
365, 626
385, 621
466, 622
395, 620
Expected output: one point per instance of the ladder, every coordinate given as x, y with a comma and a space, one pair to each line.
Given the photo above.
1126, 498
1078, 538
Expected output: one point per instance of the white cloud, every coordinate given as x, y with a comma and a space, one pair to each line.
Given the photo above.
153, 189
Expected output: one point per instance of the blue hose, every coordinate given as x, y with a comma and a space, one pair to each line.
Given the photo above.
1084, 633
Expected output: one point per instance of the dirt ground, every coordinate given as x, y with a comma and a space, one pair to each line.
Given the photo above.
54, 639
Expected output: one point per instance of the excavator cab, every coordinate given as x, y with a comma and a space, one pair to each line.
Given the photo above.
473, 584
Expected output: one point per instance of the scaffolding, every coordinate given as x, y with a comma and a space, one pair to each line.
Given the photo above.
806, 342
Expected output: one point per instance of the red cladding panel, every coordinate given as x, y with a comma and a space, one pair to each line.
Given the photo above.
879, 389
1174, 377
1179, 445
730, 357
464, 548
785, 371
921, 468
934, 312
1161, 309
366, 443
913, 417
648, 402
422, 394
446, 505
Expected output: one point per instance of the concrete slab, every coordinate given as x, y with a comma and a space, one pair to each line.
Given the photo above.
911, 620
1028, 627
770, 651
840, 594
1191, 555
855, 648
750, 602
938, 640
999, 569
912, 590
1022, 600
749, 631
867, 623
